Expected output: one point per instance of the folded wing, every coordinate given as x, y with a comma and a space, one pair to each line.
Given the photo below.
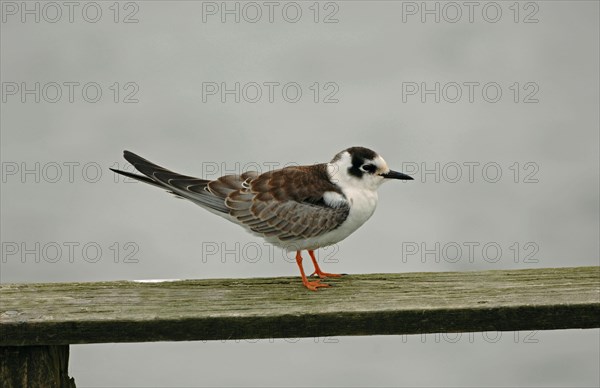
288, 204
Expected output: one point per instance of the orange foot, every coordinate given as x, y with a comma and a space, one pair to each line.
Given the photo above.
313, 285
318, 271
326, 274
310, 285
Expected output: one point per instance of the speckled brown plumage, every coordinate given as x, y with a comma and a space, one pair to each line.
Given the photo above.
287, 204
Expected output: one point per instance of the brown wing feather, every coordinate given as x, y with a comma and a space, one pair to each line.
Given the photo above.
286, 203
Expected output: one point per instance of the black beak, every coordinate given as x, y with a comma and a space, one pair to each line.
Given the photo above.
396, 175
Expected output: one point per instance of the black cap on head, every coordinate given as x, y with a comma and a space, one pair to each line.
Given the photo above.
359, 156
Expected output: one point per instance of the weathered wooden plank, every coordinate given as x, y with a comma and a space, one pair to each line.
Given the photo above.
35, 366
408, 303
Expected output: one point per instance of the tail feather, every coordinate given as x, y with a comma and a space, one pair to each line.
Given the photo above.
188, 187
137, 176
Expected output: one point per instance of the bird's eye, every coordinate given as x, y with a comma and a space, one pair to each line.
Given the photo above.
369, 168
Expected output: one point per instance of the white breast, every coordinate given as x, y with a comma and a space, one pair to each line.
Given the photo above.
362, 206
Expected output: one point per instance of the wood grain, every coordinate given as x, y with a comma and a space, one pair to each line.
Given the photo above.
35, 366
216, 309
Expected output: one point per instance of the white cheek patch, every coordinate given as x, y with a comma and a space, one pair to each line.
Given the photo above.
334, 199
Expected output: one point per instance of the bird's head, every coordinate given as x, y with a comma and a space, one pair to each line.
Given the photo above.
361, 168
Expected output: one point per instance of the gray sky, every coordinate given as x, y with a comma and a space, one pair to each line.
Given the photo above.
493, 109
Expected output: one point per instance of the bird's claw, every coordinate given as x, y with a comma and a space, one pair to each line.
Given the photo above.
314, 285
323, 275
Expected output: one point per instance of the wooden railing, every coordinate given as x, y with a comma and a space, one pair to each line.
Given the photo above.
39, 321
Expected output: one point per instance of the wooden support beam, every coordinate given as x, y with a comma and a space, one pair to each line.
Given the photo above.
216, 309
35, 366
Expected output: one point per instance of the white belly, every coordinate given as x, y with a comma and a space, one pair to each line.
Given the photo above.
362, 206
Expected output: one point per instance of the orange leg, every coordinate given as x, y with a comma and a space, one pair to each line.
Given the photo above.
310, 285
318, 271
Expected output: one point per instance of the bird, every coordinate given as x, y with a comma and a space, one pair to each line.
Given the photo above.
297, 208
